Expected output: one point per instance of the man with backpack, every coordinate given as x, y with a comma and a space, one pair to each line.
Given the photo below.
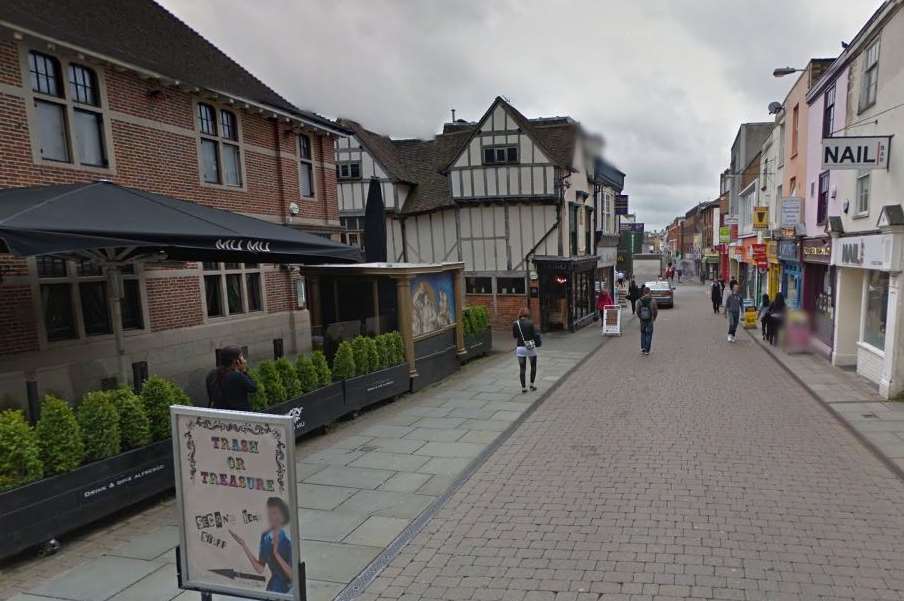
647, 311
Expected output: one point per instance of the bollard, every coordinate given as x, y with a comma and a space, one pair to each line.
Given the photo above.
34, 405
139, 375
278, 348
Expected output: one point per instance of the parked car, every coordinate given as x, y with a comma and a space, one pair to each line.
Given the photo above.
662, 291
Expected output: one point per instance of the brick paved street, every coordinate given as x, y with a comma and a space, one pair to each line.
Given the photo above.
702, 471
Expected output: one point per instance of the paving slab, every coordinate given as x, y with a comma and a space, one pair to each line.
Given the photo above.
320, 496
332, 456
97, 580
405, 482
386, 503
351, 441
397, 462
451, 449
377, 531
479, 437
328, 526
436, 485
350, 477
336, 562
429, 434
320, 590
445, 466
439, 423
393, 445
380, 431
151, 545
156, 586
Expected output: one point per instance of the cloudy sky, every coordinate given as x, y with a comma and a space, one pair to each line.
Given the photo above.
665, 81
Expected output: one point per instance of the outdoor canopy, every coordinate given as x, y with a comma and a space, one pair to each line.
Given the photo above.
75, 219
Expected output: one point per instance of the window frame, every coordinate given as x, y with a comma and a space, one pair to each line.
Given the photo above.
505, 148
858, 192
307, 163
348, 164
220, 140
497, 287
470, 278
221, 272
795, 130
72, 280
828, 112
70, 107
870, 75
822, 198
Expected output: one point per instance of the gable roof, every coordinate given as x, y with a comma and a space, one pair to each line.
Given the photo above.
143, 34
426, 160
556, 137
382, 148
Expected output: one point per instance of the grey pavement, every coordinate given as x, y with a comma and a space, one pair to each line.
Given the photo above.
359, 487
702, 471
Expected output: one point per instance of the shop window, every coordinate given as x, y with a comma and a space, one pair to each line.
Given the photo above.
75, 303
69, 120
232, 288
863, 186
510, 286
477, 285
875, 309
221, 157
305, 166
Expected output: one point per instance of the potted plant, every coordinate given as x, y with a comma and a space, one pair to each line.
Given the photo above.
478, 335
111, 452
372, 369
313, 399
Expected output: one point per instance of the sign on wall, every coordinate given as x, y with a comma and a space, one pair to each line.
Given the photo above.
791, 211
432, 302
875, 251
867, 152
236, 499
621, 204
761, 218
724, 234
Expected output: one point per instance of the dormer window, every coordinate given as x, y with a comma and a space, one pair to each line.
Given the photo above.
500, 155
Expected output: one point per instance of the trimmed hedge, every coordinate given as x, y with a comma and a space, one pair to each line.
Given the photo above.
362, 358
157, 395
307, 374
270, 379
324, 373
476, 319
289, 377
59, 437
99, 421
20, 456
344, 362
134, 425
258, 398
373, 355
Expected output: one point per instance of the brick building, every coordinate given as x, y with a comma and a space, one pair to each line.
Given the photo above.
135, 96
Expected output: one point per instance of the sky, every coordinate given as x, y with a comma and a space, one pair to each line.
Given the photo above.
666, 82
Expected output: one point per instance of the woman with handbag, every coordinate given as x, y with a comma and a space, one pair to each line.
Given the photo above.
527, 339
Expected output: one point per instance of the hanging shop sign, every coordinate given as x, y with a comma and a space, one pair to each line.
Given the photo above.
788, 250
621, 204
724, 234
761, 218
868, 252
237, 505
730, 220
816, 250
759, 256
867, 152
772, 251
791, 211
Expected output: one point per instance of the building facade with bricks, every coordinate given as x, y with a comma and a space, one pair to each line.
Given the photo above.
100, 98
495, 193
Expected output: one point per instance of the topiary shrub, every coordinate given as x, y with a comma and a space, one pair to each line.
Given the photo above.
20, 456
134, 425
384, 350
362, 359
307, 374
99, 421
344, 362
467, 318
258, 399
398, 348
272, 382
288, 375
373, 355
157, 395
324, 373
59, 437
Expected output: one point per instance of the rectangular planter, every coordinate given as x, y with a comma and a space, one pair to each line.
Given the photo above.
436, 357
33, 514
477, 345
375, 387
314, 409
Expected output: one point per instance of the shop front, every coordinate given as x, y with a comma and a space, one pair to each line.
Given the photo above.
868, 307
792, 275
606, 257
711, 263
774, 274
567, 291
819, 291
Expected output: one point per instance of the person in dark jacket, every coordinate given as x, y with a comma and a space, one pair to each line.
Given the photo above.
777, 311
715, 294
764, 316
647, 311
525, 347
229, 385
734, 305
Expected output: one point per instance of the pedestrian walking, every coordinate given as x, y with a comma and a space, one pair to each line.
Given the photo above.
734, 304
679, 271
229, 385
647, 312
633, 295
603, 299
620, 278
527, 339
763, 316
777, 310
715, 295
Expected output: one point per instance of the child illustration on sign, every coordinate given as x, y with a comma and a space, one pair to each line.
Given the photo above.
275, 549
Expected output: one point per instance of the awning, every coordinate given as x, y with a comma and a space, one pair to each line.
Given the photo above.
73, 219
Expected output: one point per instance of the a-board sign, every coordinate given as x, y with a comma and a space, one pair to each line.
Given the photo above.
611, 320
236, 503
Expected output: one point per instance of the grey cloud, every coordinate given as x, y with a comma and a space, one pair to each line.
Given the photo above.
665, 81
